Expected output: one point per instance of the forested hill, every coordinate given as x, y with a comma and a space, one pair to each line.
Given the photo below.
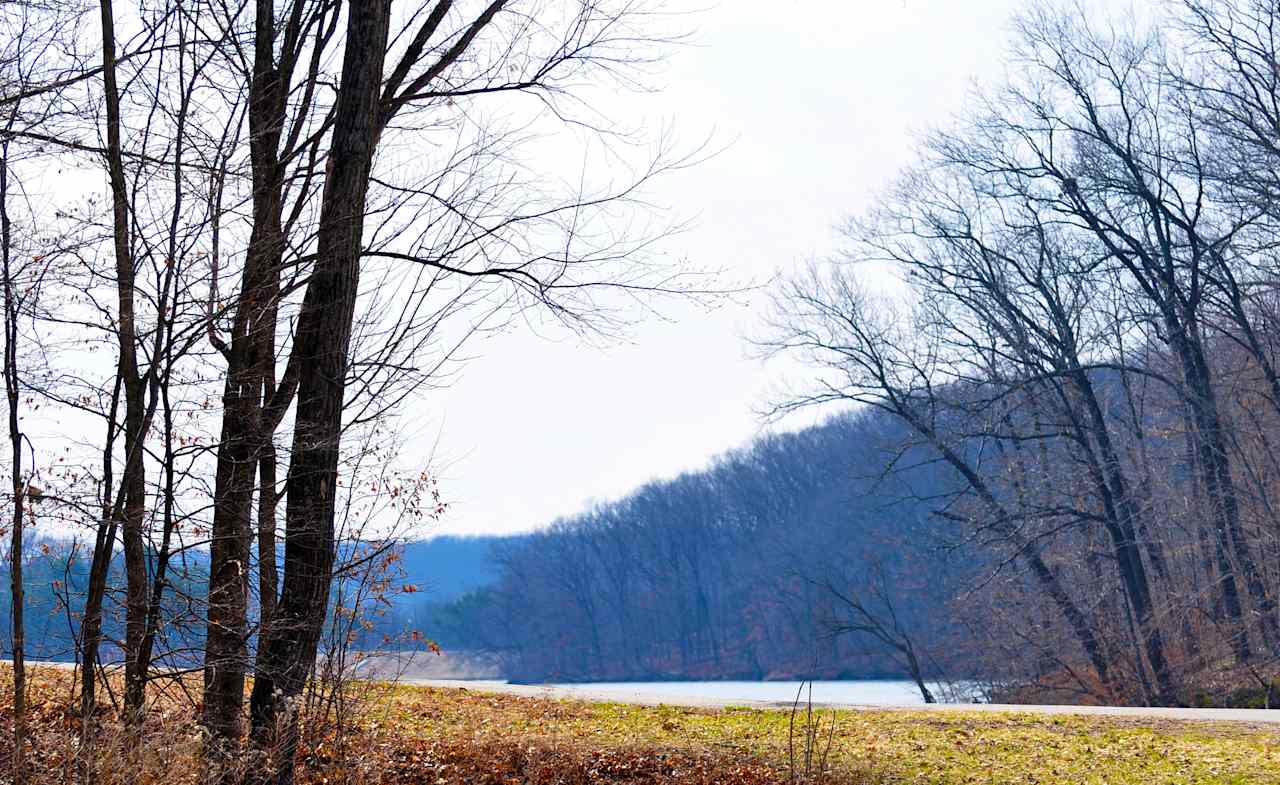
771, 562
766, 564
444, 568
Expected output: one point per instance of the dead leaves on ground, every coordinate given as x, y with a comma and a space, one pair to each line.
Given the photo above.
497, 762
435, 738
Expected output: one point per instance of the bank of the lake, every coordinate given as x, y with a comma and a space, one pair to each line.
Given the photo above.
863, 692
887, 747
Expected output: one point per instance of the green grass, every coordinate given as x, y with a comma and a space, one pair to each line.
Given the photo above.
877, 746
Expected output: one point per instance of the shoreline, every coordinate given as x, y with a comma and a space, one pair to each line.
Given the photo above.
1267, 717
640, 698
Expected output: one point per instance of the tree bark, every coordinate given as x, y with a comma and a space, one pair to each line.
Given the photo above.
16, 594
1122, 520
248, 356
129, 508
321, 345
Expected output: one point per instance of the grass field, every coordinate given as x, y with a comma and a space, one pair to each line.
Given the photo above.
880, 747
448, 737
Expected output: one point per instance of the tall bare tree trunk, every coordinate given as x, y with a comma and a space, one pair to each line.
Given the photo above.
250, 357
17, 598
268, 575
321, 346
1122, 521
1213, 461
133, 480
104, 546
226, 652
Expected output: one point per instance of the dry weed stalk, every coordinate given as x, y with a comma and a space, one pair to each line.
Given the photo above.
812, 766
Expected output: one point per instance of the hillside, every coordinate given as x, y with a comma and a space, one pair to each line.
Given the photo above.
447, 567
764, 565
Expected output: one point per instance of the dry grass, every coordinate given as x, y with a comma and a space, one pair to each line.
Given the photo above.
878, 747
450, 737
369, 751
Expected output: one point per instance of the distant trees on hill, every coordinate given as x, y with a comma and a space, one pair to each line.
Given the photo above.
743, 570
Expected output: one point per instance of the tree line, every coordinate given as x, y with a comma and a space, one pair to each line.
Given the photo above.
770, 563
236, 240
1085, 331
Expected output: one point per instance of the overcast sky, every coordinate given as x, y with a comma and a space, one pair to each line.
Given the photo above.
820, 103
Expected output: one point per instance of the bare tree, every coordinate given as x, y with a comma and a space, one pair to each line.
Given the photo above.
870, 355
1120, 175
31, 59
12, 380
1085, 269
475, 237
875, 615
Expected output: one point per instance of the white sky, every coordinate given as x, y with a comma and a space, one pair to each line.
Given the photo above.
821, 102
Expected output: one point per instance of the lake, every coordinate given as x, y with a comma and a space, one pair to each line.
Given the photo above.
873, 693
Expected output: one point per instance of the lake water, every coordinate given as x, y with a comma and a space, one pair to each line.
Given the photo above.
873, 693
